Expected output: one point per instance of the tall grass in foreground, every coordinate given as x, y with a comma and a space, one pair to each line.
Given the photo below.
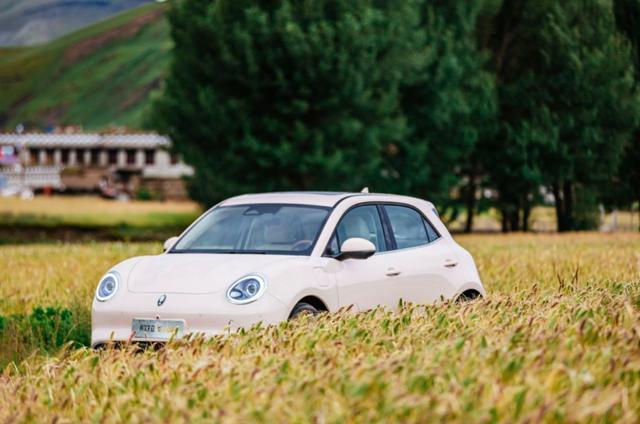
556, 340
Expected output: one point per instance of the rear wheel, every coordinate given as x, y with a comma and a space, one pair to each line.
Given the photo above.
303, 308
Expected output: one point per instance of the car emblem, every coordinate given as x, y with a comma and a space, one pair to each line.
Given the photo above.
161, 299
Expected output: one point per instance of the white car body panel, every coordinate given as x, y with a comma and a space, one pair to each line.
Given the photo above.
195, 284
423, 277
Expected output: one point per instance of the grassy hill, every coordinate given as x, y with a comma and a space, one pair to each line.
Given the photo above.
28, 22
97, 77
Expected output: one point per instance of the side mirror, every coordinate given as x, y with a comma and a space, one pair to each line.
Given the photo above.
168, 244
356, 248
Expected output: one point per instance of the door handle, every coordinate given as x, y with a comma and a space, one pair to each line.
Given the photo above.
450, 263
392, 272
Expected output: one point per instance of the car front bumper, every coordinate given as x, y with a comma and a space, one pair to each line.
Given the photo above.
207, 314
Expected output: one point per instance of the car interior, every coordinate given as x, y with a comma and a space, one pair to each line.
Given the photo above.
363, 222
261, 228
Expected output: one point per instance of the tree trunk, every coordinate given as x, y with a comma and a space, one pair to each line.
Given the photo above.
559, 206
567, 195
563, 194
515, 219
526, 213
505, 220
470, 201
638, 213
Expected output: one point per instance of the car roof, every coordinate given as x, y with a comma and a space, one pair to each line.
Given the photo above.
315, 198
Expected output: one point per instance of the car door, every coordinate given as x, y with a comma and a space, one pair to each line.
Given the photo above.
365, 283
424, 261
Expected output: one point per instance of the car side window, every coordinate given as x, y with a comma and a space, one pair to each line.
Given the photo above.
431, 232
408, 226
363, 222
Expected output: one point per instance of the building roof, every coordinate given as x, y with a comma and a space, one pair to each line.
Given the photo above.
88, 140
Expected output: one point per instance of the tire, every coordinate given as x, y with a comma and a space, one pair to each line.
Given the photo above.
303, 308
468, 296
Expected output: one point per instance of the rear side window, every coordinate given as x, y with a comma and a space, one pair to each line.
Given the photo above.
431, 232
410, 228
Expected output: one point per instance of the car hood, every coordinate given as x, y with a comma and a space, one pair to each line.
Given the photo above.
194, 273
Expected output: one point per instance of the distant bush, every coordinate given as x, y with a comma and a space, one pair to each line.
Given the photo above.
144, 193
43, 330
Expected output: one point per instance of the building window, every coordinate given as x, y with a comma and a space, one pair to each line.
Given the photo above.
149, 156
174, 158
131, 157
80, 156
64, 156
95, 156
34, 156
48, 156
112, 155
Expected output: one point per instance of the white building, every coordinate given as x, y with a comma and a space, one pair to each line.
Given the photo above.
112, 164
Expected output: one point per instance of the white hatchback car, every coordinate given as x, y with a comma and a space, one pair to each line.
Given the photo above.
269, 257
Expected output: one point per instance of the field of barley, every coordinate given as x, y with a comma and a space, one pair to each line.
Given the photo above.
557, 339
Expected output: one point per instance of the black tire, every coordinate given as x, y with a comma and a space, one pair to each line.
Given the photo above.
468, 296
303, 308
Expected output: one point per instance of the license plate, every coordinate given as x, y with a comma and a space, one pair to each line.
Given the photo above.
157, 328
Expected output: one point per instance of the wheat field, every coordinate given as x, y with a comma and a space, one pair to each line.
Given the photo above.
556, 340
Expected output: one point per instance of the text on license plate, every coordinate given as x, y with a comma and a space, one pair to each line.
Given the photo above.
157, 328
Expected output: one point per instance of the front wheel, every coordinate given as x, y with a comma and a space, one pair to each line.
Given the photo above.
468, 296
303, 308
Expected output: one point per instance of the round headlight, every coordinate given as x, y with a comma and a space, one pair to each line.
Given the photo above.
247, 289
108, 286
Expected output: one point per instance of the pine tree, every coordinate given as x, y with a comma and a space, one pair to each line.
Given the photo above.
567, 105
626, 186
269, 95
447, 104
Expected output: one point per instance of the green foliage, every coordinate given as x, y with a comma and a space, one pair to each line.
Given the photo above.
567, 99
144, 194
449, 103
45, 330
285, 95
432, 98
626, 184
323, 95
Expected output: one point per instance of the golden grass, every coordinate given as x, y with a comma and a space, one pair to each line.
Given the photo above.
543, 219
557, 340
91, 210
58, 274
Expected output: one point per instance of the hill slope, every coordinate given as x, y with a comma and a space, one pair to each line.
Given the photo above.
27, 22
97, 77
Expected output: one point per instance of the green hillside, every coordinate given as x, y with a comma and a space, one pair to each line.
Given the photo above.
98, 77
30, 22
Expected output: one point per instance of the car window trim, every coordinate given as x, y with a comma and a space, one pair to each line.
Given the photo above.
334, 233
386, 225
429, 242
426, 222
386, 228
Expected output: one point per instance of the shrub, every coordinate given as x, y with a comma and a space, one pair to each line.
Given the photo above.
43, 330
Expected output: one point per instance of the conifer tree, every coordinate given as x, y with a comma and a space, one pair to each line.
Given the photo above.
268, 95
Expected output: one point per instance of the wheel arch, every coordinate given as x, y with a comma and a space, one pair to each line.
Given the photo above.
314, 301
470, 291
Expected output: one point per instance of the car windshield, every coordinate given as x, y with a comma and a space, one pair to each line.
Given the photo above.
262, 228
